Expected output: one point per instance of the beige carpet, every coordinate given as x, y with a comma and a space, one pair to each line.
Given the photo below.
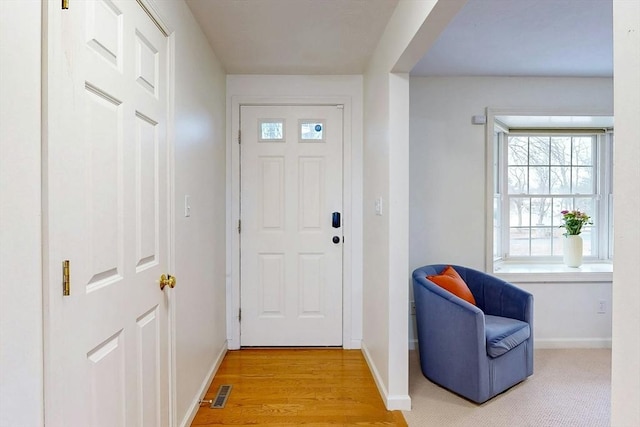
569, 388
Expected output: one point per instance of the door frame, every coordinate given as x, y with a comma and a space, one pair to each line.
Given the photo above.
233, 211
51, 285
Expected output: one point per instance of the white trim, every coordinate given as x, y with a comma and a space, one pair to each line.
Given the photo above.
151, 9
391, 401
491, 113
553, 343
376, 374
399, 402
149, 6
233, 214
204, 387
555, 277
488, 190
170, 136
559, 343
413, 343
555, 272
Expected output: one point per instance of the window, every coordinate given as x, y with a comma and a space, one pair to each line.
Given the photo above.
311, 130
539, 173
271, 130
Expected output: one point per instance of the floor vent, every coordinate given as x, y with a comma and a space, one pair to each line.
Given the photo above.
221, 397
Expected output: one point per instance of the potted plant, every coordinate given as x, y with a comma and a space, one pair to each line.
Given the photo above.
572, 222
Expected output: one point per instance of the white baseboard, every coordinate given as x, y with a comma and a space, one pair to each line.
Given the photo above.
399, 403
572, 343
353, 345
554, 343
392, 402
193, 410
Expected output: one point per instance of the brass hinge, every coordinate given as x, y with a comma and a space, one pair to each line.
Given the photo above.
65, 4
239, 136
66, 281
239, 226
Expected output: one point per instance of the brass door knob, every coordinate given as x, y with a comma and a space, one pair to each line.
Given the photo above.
167, 280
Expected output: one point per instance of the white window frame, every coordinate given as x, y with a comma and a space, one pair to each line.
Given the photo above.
493, 255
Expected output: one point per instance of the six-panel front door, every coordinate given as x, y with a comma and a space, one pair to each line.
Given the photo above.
106, 211
291, 240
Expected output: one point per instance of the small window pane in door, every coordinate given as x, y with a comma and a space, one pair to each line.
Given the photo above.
271, 130
311, 130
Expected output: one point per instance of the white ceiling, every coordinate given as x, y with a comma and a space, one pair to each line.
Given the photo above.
571, 38
293, 36
488, 37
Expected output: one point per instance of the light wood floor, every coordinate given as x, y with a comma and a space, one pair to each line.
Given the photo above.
280, 387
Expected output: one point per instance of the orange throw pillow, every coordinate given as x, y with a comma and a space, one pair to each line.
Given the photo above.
450, 280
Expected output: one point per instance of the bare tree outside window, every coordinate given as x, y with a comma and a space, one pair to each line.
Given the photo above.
545, 175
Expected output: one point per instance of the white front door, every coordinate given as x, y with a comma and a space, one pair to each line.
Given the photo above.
106, 211
291, 240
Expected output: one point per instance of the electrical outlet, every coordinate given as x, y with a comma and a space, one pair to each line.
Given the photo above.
602, 306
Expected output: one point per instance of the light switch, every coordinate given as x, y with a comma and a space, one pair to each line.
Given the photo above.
378, 205
187, 206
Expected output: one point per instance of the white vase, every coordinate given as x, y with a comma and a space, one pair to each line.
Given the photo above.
572, 251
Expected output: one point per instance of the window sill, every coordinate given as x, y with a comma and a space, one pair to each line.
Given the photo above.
554, 272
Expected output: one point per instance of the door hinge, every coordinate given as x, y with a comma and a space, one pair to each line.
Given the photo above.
239, 226
239, 136
65, 4
239, 315
66, 281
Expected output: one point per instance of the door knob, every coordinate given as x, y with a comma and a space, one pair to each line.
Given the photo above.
167, 280
336, 239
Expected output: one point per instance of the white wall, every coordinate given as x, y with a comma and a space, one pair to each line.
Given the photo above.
566, 314
386, 151
447, 166
21, 376
200, 171
447, 169
376, 287
625, 378
304, 89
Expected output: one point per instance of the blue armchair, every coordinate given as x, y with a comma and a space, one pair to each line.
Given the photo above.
474, 351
